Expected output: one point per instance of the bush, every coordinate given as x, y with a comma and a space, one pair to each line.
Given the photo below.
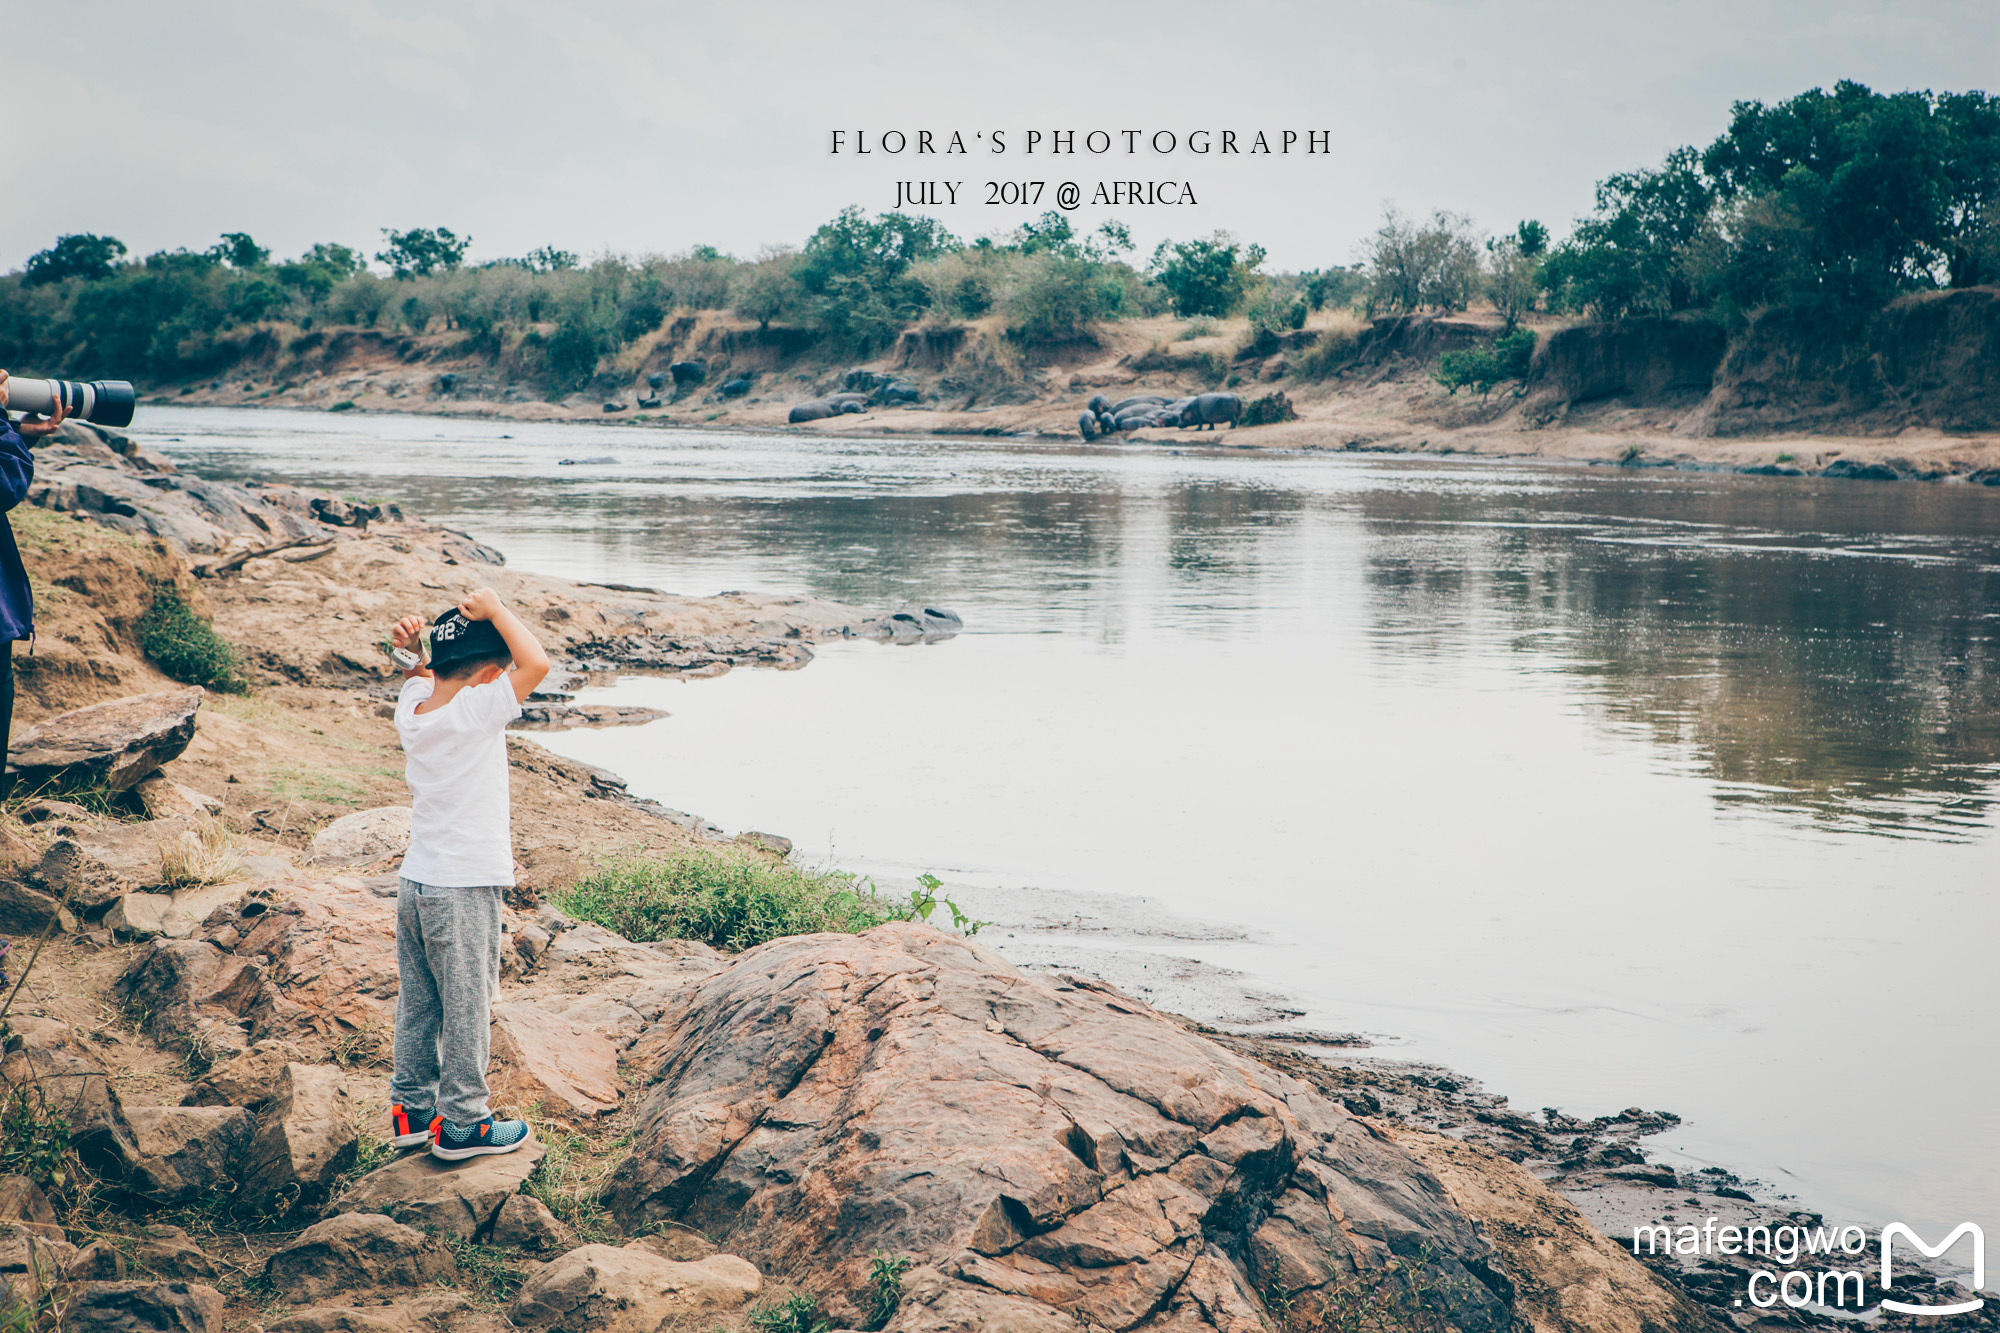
1514, 351
187, 647
731, 901
1412, 265
1475, 366
1206, 277
1053, 298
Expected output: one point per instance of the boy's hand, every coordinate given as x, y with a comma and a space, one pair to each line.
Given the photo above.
482, 605
408, 633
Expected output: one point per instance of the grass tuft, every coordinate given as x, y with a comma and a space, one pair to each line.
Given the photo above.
186, 647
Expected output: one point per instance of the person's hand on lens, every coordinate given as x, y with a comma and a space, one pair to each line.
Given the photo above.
31, 427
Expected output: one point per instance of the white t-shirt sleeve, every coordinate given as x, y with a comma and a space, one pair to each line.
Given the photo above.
493, 704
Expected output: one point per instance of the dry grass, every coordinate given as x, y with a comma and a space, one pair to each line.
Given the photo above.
205, 854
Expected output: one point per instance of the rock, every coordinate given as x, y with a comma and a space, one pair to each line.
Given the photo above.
678, 1244
525, 1223
56, 812
26, 911
530, 941
163, 798
23, 1203
177, 915
303, 1142
29, 1032
193, 988
538, 1056
79, 1085
1047, 1147
167, 1252
145, 1307
29, 1258
249, 1078
365, 835
112, 744
602, 1289
354, 1251
428, 1311
98, 1261
459, 1199
615, 1019
766, 842
97, 866
184, 1153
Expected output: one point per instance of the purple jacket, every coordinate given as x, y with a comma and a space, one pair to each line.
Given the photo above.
17, 471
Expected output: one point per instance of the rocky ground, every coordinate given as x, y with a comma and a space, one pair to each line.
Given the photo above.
898, 1129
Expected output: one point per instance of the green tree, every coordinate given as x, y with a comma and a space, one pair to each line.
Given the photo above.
548, 259
1412, 265
238, 250
1205, 277
1514, 271
421, 251
855, 273
82, 255
1634, 256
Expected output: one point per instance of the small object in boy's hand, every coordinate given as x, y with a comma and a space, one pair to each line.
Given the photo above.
403, 657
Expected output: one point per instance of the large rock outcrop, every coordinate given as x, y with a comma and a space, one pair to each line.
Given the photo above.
114, 744
1050, 1151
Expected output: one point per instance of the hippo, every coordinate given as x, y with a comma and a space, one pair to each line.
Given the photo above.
1099, 405
847, 398
1106, 423
815, 409
1086, 425
688, 372
655, 381
902, 391
1140, 417
1209, 408
848, 407
649, 403
1179, 413
1120, 407
736, 388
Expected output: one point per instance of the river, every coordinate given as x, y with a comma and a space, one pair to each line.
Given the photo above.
1607, 787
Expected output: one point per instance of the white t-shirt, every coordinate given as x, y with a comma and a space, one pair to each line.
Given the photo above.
456, 765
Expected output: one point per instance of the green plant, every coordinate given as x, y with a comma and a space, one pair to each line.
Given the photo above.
370, 1154
924, 901
1785, 458
1514, 351
570, 1177
490, 1275
344, 405
1476, 367
185, 646
729, 900
885, 1280
34, 1140
1630, 454
798, 1313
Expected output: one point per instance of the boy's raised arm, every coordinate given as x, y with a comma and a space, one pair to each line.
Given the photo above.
531, 662
409, 634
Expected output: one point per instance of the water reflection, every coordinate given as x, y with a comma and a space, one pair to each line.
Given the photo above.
1823, 651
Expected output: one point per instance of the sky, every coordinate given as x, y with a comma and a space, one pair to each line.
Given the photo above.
632, 128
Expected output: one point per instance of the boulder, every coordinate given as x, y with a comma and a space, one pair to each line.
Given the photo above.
79, 1085
29, 1259
615, 1019
525, 1223
249, 1078
31, 1032
145, 1307
163, 798
192, 988
603, 1289
428, 1311
23, 1203
1048, 1149
356, 1251
112, 744
539, 1056
177, 915
365, 835
98, 1261
96, 866
459, 1199
167, 1252
25, 910
184, 1153
304, 1141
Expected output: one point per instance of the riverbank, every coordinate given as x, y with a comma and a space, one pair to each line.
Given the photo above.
310, 744
1604, 394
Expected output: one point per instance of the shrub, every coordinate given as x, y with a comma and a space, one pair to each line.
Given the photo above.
1514, 351
1474, 366
1053, 298
1412, 265
185, 646
1206, 277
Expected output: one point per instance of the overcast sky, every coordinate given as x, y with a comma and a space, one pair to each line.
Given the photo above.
649, 127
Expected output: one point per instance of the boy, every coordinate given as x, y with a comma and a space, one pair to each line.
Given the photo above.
453, 720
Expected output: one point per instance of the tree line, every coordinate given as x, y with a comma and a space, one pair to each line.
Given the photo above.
1836, 201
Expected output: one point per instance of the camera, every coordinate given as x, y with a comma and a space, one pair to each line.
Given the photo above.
101, 402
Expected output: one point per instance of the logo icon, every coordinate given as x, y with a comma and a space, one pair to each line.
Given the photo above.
1895, 1229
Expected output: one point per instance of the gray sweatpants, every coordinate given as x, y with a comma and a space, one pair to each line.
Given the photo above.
448, 957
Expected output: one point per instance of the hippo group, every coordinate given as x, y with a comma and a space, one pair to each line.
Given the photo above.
1101, 416
819, 409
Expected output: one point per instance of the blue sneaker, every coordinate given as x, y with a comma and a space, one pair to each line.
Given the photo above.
455, 1143
408, 1128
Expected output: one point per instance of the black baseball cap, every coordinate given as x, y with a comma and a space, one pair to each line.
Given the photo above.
455, 639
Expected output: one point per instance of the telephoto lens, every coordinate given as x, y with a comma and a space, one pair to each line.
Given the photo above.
101, 402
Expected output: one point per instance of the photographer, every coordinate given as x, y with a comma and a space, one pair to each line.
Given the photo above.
17, 603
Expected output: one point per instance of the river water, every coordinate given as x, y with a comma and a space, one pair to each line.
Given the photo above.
1607, 787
